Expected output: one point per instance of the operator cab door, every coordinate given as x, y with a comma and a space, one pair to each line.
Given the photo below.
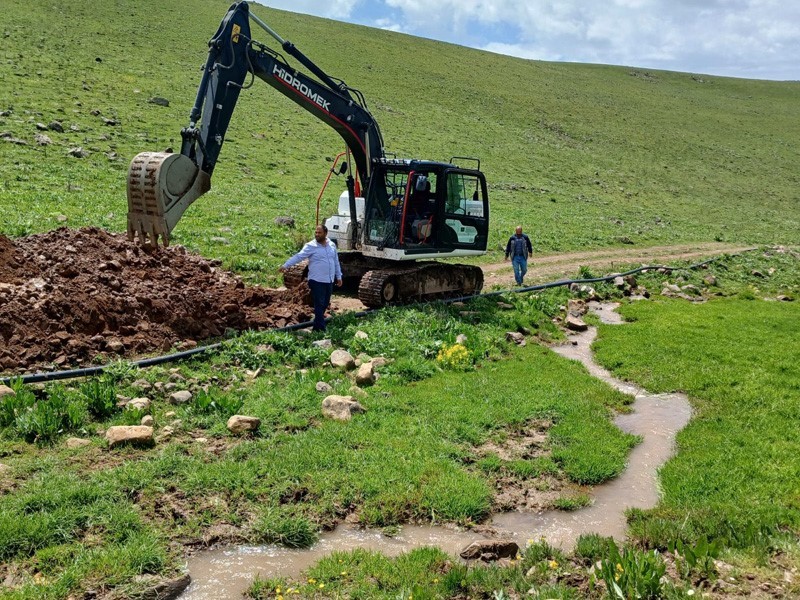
464, 214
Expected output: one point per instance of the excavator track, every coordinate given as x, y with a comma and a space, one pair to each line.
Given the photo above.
424, 281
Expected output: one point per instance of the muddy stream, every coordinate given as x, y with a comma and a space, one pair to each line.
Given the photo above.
227, 572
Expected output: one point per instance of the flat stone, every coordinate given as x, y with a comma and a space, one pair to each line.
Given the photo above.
181, 397
341, 408
361, 335
73, 443
575, 324
342, 359
243, 424
6, 391
323, 344
139, 404
490, 550
148, 421
323, 387
516, 337
365, 374
138, 435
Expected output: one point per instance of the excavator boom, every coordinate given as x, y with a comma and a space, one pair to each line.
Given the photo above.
161, 186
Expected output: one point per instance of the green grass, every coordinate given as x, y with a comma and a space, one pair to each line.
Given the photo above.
411, 457
735, 478
585, 156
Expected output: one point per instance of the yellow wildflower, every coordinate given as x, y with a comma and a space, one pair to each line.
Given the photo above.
619, 568
553, 564
321, 585
312, 581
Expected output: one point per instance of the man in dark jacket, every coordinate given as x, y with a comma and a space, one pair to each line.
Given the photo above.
519, 249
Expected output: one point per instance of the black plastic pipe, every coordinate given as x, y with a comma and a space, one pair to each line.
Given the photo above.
178, 356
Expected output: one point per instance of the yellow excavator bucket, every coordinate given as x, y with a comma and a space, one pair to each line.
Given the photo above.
161, 186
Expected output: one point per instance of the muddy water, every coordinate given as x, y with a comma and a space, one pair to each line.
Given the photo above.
227, 572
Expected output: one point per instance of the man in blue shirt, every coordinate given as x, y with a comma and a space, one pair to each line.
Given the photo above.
323, 270
519, 249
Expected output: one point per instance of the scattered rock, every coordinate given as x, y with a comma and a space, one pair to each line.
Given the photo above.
490, 550
243, 424
505, 306
461, 339
324, 388
166, 590
341, 408
365, 374
138, 435
110, 122
516, 337
139, 404
710, 280
143, 385
78, 152
575, 323
6, 391
576, 307
379, 361
326, 344
42, 140
285, 222
169, 414
62, 218
619, 282
56, 126
148, 421
361, 335
181, 397
73, 443
784, 298
342, 359
159, 101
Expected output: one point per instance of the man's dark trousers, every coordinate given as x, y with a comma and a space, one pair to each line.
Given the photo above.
321, 293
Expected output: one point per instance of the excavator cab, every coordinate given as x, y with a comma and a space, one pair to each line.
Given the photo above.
419, 209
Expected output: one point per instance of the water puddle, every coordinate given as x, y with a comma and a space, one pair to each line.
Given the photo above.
227, 572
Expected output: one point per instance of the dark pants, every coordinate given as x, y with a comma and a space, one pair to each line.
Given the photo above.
321, 293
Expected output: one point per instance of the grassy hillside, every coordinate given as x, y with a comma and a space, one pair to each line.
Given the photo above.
582, 155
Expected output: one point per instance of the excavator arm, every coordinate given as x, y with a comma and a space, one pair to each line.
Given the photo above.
161, 186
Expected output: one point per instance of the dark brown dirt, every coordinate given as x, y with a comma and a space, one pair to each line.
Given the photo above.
69, 296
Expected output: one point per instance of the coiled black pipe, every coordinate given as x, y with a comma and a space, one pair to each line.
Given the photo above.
178, 356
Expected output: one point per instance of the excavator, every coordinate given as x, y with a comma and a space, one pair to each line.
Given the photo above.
395, 216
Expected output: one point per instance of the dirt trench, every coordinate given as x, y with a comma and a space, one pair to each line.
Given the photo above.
71, 297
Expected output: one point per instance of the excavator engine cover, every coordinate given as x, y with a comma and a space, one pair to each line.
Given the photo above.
161, 186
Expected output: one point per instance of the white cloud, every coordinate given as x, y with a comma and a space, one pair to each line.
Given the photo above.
747, 38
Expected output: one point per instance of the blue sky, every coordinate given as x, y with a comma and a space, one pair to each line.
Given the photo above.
758, 39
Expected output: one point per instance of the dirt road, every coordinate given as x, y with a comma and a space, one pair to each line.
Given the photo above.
549, 267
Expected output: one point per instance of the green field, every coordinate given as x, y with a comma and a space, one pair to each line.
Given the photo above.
585, 156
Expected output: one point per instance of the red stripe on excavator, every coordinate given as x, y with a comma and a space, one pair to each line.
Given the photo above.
331, 115
405, 207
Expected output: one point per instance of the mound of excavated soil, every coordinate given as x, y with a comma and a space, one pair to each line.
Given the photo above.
68, 296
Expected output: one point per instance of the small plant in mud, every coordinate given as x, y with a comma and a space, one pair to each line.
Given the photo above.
277, 527
454, 357
215, 401
632, 574
572, 502
100, 395
697, 560
13, 405
47, 418
591, 547
540, 560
